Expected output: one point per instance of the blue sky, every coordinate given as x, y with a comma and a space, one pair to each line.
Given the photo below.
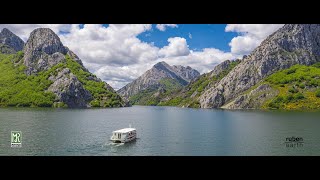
120, 53
203, 36
198, 36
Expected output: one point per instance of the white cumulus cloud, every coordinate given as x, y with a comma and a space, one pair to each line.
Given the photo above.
177, 47
115, 45
250, 36
163, 27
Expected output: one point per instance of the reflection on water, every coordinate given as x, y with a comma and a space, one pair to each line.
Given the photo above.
160, 131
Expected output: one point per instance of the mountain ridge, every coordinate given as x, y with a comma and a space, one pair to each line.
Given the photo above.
64, 81
152, 77
292, 44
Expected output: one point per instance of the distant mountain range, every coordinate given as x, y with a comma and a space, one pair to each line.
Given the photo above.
160, 79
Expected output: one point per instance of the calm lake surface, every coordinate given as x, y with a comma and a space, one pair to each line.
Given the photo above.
163, 131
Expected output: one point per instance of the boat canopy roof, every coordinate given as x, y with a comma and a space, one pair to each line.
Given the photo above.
125, 130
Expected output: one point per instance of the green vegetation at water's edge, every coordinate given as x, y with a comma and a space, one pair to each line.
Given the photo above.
18, 89
298, 88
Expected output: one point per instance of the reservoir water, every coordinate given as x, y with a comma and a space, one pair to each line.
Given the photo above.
161, 131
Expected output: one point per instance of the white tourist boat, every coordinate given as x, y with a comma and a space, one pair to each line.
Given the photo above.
123, 135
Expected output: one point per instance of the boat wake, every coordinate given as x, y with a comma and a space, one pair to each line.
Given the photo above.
114, 144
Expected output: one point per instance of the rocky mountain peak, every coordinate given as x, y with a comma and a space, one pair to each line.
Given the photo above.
161, 65
11, 40
153, 76
292, 44
187, 73
6, 33
43, 40
44, 50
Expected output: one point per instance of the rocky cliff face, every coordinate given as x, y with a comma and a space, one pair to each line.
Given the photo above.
291, 44
159, 71
9, 42
69, 89
189, 95
208, 80
254, 99
187, 73
44, 50
72, 84
218, 69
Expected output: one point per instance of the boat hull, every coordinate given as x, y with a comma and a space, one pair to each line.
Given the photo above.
127, 139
